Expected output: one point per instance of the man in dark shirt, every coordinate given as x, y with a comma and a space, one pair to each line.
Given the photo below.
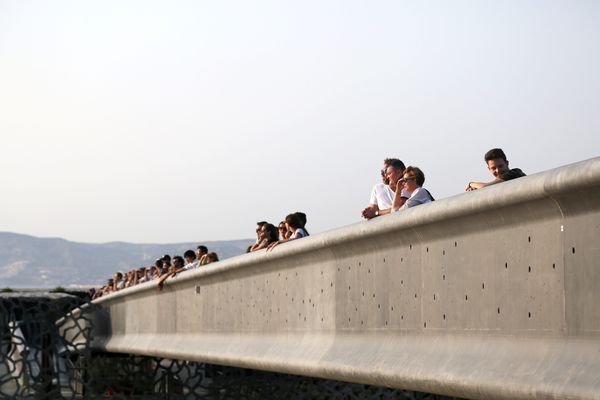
498, 165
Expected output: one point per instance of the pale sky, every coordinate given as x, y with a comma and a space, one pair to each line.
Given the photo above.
171, 121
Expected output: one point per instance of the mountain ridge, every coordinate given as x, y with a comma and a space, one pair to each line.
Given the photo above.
30, 261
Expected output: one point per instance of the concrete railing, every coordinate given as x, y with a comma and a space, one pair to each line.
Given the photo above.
488, 294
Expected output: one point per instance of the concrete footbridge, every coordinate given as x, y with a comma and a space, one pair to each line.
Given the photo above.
488, 294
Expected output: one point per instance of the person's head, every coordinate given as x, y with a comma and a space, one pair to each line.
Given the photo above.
200, 251
282, 228
386, 163
178, 262
212, 257
189, 256
496, 162
166, 259
302, 217
259, 226
118, 276
271, 233
394, 172
158, 263
413, 178
293, 222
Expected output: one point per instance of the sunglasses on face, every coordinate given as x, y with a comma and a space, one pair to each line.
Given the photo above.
383, 172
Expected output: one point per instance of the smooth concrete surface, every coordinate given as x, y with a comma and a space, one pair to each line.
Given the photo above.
488, 294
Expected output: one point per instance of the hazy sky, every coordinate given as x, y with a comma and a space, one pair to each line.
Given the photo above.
174, 121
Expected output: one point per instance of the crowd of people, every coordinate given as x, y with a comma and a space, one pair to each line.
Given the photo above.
401, 188
163, 268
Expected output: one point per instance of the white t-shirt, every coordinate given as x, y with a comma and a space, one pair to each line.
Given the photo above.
191, 265
383, 196
418, 196
300, 233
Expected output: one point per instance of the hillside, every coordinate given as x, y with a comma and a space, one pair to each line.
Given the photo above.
28, 261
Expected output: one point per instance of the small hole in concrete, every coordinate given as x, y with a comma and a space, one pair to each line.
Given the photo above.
359, 263
369, 270
331, 284
529, 239
427, 249
402, 282
434, 296
402, 317
401, 259
443, 277
466, 297
573, 250
348, 287
386, 323
553, 266
363, 294
373, 295
529, 314
506, 265
483, 285
424, 324
444, 316
455, 244
392, 308
410, 246
498, 310
415, 295
443, 252
529, 268
378, 305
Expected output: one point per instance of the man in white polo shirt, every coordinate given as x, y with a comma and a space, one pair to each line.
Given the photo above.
382, 195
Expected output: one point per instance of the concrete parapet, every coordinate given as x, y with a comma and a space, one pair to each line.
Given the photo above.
487, 294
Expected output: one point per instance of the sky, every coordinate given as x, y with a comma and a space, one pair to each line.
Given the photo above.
163, 122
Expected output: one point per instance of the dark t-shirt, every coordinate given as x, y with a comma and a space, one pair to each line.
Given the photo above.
512, 174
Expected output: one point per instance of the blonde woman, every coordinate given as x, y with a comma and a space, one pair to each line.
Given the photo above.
412, 182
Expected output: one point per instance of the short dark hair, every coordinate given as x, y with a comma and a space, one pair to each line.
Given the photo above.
389, 161
494, 154
190, 254
397, 165
294, 221
203, 249
302, 217
179, 260
512, 174
166, 257
417, 173
261, 223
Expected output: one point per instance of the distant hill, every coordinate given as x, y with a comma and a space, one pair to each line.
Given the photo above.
32, 262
